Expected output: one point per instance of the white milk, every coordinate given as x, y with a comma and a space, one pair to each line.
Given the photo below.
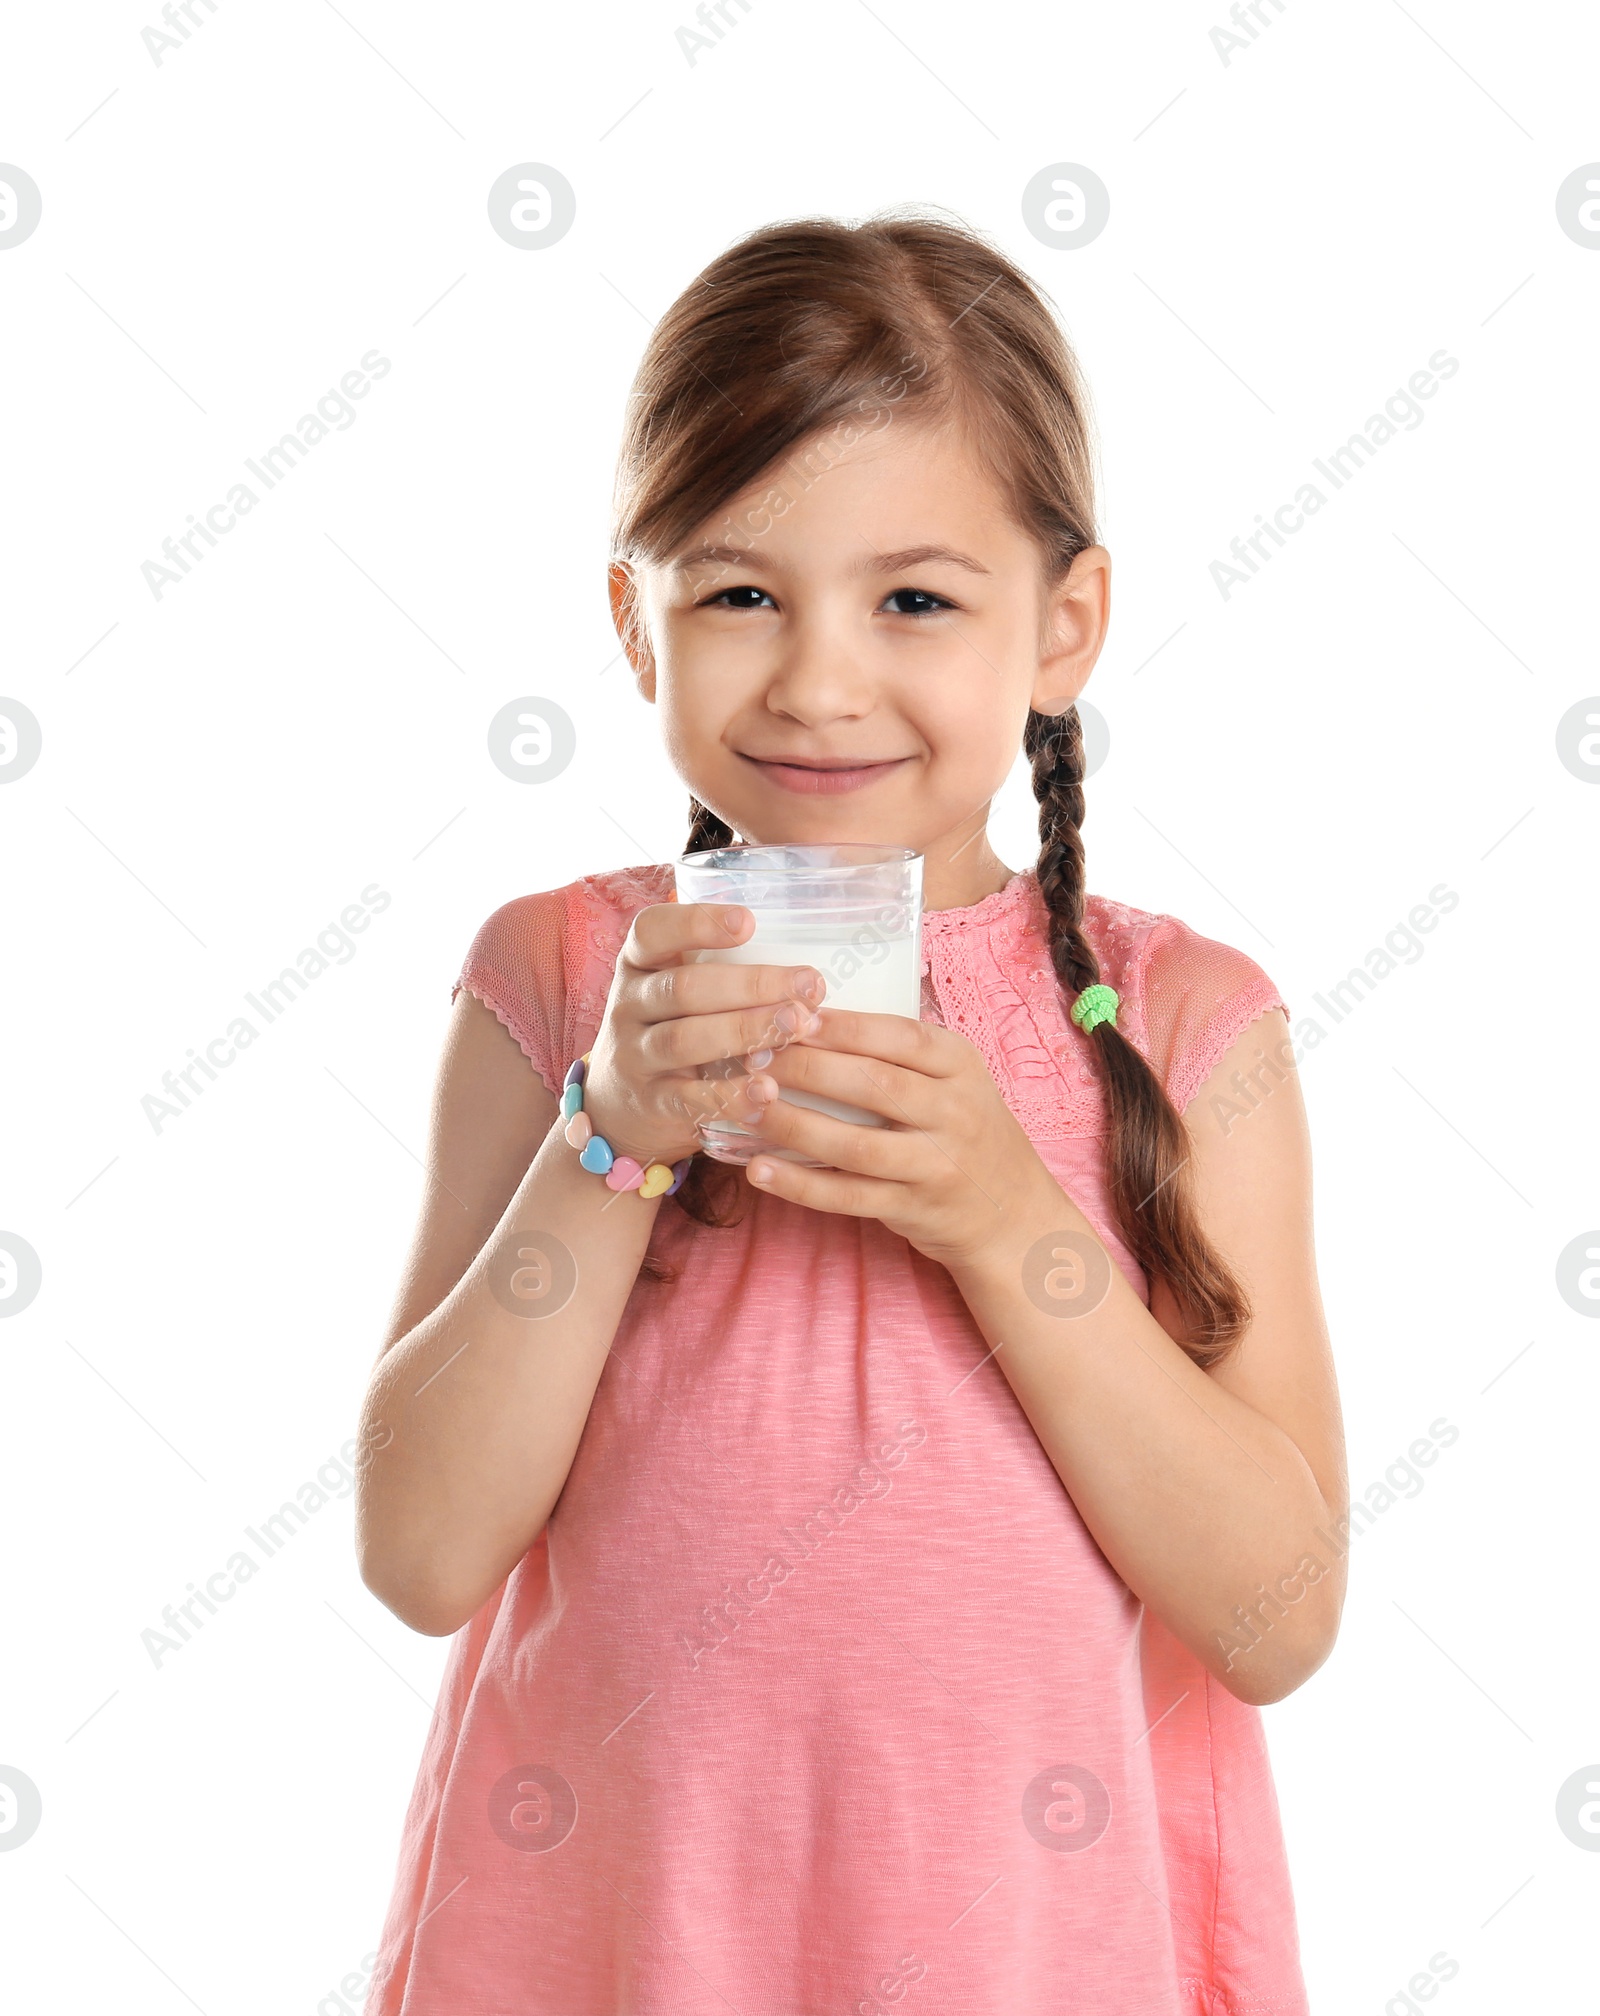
866, 969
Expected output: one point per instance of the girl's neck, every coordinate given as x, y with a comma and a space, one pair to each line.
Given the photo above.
958, 871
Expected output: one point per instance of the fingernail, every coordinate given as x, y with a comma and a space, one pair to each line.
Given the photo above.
809, 986
788, 1018
812, 1024
758, 1060
761, 1091
760, 1172
732, 918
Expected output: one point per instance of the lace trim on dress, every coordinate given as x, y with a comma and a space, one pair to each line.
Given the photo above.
988, 975
605, 906
996, 983
480, 992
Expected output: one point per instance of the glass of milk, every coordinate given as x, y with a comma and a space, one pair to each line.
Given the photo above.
854, 912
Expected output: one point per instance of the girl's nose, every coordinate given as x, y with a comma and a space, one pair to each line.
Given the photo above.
820, 679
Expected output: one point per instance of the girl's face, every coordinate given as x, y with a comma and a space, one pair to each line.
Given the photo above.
848, 650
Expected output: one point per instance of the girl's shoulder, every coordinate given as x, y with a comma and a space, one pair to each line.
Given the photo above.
1184, 998
543, 962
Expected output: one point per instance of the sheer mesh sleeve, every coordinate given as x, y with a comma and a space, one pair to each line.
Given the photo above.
1198, 996
517, 966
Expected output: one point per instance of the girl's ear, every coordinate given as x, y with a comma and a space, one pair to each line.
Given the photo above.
628, 618
1077, 612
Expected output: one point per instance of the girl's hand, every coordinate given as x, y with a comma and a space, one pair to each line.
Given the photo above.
668, 1014
950, 1168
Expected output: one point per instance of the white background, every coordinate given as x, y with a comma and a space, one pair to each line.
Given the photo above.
1293, 233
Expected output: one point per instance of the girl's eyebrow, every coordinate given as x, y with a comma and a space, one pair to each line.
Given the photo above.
729, 556
917, 556
870, 563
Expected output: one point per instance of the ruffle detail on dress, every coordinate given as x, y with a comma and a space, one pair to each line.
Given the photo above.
606, 905
996, 983
1016, 898
480, 992
988, 967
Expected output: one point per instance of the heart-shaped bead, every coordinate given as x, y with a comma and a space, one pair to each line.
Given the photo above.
624, 1174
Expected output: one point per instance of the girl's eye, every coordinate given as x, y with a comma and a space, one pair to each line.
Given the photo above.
916, 601
903, 602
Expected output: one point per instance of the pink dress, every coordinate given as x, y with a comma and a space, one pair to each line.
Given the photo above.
816, 1696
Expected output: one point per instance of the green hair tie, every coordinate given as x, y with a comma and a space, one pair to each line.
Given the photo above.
1093, 1006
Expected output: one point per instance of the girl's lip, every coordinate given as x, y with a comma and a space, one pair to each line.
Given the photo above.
802, 778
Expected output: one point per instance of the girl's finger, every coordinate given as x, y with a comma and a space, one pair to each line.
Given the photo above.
910, 1098
661, 931
824, 1189
896, 1039
885, 1153
712, 988
692, 1040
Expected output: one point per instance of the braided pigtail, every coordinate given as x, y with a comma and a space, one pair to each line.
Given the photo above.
1151, 1189
706, 830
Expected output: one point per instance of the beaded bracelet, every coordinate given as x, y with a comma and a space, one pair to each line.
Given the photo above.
622, 1172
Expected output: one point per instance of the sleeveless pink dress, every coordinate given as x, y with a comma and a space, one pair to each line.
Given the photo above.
816, 1695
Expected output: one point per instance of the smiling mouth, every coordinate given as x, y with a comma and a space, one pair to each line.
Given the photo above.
825, 775
827, 762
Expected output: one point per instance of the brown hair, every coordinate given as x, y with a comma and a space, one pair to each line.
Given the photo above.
819, 325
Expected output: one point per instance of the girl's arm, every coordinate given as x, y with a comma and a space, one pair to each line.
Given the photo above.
473, 1414
1216, 1495
475, 1409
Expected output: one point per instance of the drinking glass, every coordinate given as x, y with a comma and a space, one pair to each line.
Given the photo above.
851, 910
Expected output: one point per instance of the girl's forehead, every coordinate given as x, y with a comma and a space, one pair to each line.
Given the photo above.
911, 493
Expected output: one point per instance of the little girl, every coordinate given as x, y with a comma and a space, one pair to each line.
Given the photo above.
866, 1566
